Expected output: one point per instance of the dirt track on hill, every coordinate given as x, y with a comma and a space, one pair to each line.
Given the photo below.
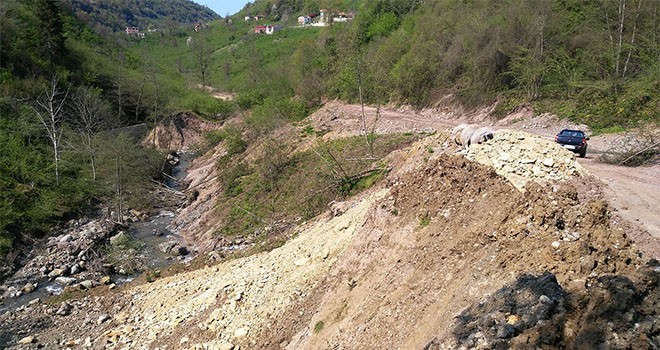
633, 192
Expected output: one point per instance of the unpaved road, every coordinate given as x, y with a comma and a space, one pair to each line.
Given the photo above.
633, 192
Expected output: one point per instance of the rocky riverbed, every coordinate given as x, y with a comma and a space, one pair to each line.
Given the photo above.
95, 251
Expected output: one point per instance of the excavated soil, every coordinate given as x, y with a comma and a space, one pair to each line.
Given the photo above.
454, 241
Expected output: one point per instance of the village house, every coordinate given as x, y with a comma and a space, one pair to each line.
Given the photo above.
134, 31
343, 17
267, 29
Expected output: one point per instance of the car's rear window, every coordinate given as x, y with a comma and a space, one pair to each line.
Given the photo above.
572, 133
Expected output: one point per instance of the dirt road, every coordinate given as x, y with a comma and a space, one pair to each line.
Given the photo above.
633, 192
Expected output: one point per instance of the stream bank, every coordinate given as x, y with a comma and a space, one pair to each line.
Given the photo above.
92, 252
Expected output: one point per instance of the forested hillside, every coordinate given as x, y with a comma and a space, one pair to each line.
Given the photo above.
113, 15
67, 98
594, 62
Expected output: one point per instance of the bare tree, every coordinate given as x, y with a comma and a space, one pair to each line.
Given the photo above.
91, 115
49, 109
202, 52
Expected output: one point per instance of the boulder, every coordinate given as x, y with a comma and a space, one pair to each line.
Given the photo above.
27, 340
86, 284
56, 273
29, 288
65, 281
118, 238
65, 309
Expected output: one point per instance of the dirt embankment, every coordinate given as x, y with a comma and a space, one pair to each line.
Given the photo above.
451, 243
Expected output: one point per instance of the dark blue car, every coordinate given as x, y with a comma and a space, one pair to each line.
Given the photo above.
574, 140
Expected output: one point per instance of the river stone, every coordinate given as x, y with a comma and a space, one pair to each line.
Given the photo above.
27, 340
65, 281
75, 269
118, 238
102, 318
29, 288
66, 238
166, 247
65, 309
86, 284
56, 273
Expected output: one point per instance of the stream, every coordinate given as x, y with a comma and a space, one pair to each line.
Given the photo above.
142, 231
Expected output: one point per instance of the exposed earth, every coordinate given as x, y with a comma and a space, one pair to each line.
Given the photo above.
514, 243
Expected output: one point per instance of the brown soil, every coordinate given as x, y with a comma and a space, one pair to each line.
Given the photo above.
455, 236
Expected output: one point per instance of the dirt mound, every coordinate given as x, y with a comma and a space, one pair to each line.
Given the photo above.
447, 253
447, 238
522, 157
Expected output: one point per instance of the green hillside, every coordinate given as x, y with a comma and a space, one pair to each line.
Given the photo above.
114, 16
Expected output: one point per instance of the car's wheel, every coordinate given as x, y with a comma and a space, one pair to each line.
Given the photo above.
583, 152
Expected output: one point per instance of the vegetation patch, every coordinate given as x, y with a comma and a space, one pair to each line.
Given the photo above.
277, 189
318, 327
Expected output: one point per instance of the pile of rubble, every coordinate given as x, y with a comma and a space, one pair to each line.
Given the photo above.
68, 258
521, 157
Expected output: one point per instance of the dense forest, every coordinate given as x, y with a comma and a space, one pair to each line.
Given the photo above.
70, 84
113, 15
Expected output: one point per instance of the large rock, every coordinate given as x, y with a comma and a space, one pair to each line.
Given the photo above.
118, 238
65, 281
65, 309
29, 288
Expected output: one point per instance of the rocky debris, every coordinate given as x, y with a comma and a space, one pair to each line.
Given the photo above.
227, 303
64, 309
27, 340
521, 157
65, 258
173, 247
537, 312
532, 305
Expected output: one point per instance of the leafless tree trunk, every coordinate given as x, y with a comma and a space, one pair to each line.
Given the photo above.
369, 134
632, 38
119, 187
92, 114
49, 110
622, 17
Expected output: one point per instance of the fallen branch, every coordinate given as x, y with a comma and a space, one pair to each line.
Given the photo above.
638, 153
170, 177
164, 186
255, 216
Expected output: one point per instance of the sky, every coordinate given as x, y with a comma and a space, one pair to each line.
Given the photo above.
223, 7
